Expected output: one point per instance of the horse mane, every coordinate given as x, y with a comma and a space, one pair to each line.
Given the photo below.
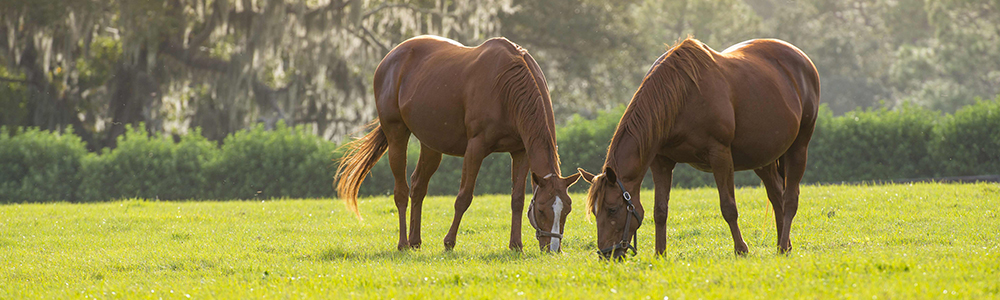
522, 87
654, 106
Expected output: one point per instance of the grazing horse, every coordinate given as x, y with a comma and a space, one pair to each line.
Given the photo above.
751, 107
470, 102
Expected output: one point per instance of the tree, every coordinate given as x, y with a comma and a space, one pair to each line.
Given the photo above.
216, 64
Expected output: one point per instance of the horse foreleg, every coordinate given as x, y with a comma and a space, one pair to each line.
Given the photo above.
518, 173
774, 184
721, 161
401, 192
474, 154
426, 166
662, 168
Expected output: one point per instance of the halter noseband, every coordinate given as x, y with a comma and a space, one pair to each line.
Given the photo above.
539, 233
624, 243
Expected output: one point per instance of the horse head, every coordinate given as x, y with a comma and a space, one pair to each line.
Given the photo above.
618, 213
550, 204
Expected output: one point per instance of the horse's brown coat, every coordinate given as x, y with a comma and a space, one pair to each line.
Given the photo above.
751, 107
462, 101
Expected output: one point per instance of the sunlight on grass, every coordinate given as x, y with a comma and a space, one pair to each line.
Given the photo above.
896, 241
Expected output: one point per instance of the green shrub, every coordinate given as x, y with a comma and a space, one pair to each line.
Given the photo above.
150, 167
284, 162
968, 143
39, 166
872, 144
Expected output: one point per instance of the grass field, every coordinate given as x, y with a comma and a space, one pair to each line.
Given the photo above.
871, 242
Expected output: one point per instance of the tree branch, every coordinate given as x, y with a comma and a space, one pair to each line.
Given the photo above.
312, 13
194, 58
13, 80
406, 6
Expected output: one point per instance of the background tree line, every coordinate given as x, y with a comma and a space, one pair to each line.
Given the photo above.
226, 65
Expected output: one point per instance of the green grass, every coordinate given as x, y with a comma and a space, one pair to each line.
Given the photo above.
884, 242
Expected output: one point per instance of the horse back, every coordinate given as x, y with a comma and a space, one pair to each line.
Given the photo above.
443, 91
774, 89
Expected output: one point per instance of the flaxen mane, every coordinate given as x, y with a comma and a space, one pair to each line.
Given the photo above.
525, 95
654, 106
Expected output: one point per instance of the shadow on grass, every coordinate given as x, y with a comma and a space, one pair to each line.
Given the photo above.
340, 254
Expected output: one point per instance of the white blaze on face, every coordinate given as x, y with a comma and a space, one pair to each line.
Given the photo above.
557, 207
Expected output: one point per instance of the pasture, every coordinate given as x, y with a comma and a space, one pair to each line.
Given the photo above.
850, 241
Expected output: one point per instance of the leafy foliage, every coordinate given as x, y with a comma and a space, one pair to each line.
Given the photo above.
284, 162
149, 167
872, 144
968, 142
39, 166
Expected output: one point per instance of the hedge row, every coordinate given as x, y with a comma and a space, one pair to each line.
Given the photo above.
874, 144
39, 166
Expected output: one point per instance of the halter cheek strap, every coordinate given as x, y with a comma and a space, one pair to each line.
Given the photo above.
539, 233
624, 243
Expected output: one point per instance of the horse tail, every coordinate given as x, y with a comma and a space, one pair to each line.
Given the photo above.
358, 160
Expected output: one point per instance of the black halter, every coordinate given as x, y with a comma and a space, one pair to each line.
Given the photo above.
624, 243
539, 233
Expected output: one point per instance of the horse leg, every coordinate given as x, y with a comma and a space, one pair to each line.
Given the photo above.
475, 152
426, 166
398, 137
662, 168
721, 161
774, 184
794, 162
518, 173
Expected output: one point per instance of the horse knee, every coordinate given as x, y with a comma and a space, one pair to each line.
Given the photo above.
660, 213
517, 205
418, 192
729, 213
462, 203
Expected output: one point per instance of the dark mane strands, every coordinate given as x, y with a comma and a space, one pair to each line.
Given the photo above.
657, 101
518, 86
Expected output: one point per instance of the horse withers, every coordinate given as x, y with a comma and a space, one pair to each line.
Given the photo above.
750, 107
470, 102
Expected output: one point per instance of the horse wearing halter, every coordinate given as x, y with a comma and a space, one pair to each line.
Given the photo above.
624, 242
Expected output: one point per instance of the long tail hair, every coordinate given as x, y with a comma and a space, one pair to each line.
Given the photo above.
361, 156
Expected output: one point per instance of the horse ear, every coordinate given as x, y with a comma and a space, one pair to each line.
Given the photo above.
610, 174
589, 178
571, 179
537, 180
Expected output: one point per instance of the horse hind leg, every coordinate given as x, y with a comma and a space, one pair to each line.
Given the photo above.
398, 136
427, 164
774, 184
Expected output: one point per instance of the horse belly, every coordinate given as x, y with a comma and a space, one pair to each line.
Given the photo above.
763, 140
437, 121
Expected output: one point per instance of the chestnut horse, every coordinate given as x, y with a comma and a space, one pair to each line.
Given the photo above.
463, 101
751, 107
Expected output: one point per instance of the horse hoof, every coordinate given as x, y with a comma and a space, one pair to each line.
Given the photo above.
515, 247
449, 245
742, 251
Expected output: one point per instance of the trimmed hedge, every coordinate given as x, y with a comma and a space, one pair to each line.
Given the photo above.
289, 162
39, 166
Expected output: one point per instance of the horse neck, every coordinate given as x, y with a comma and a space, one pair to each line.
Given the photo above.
646, 123
628, 159
539, 144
